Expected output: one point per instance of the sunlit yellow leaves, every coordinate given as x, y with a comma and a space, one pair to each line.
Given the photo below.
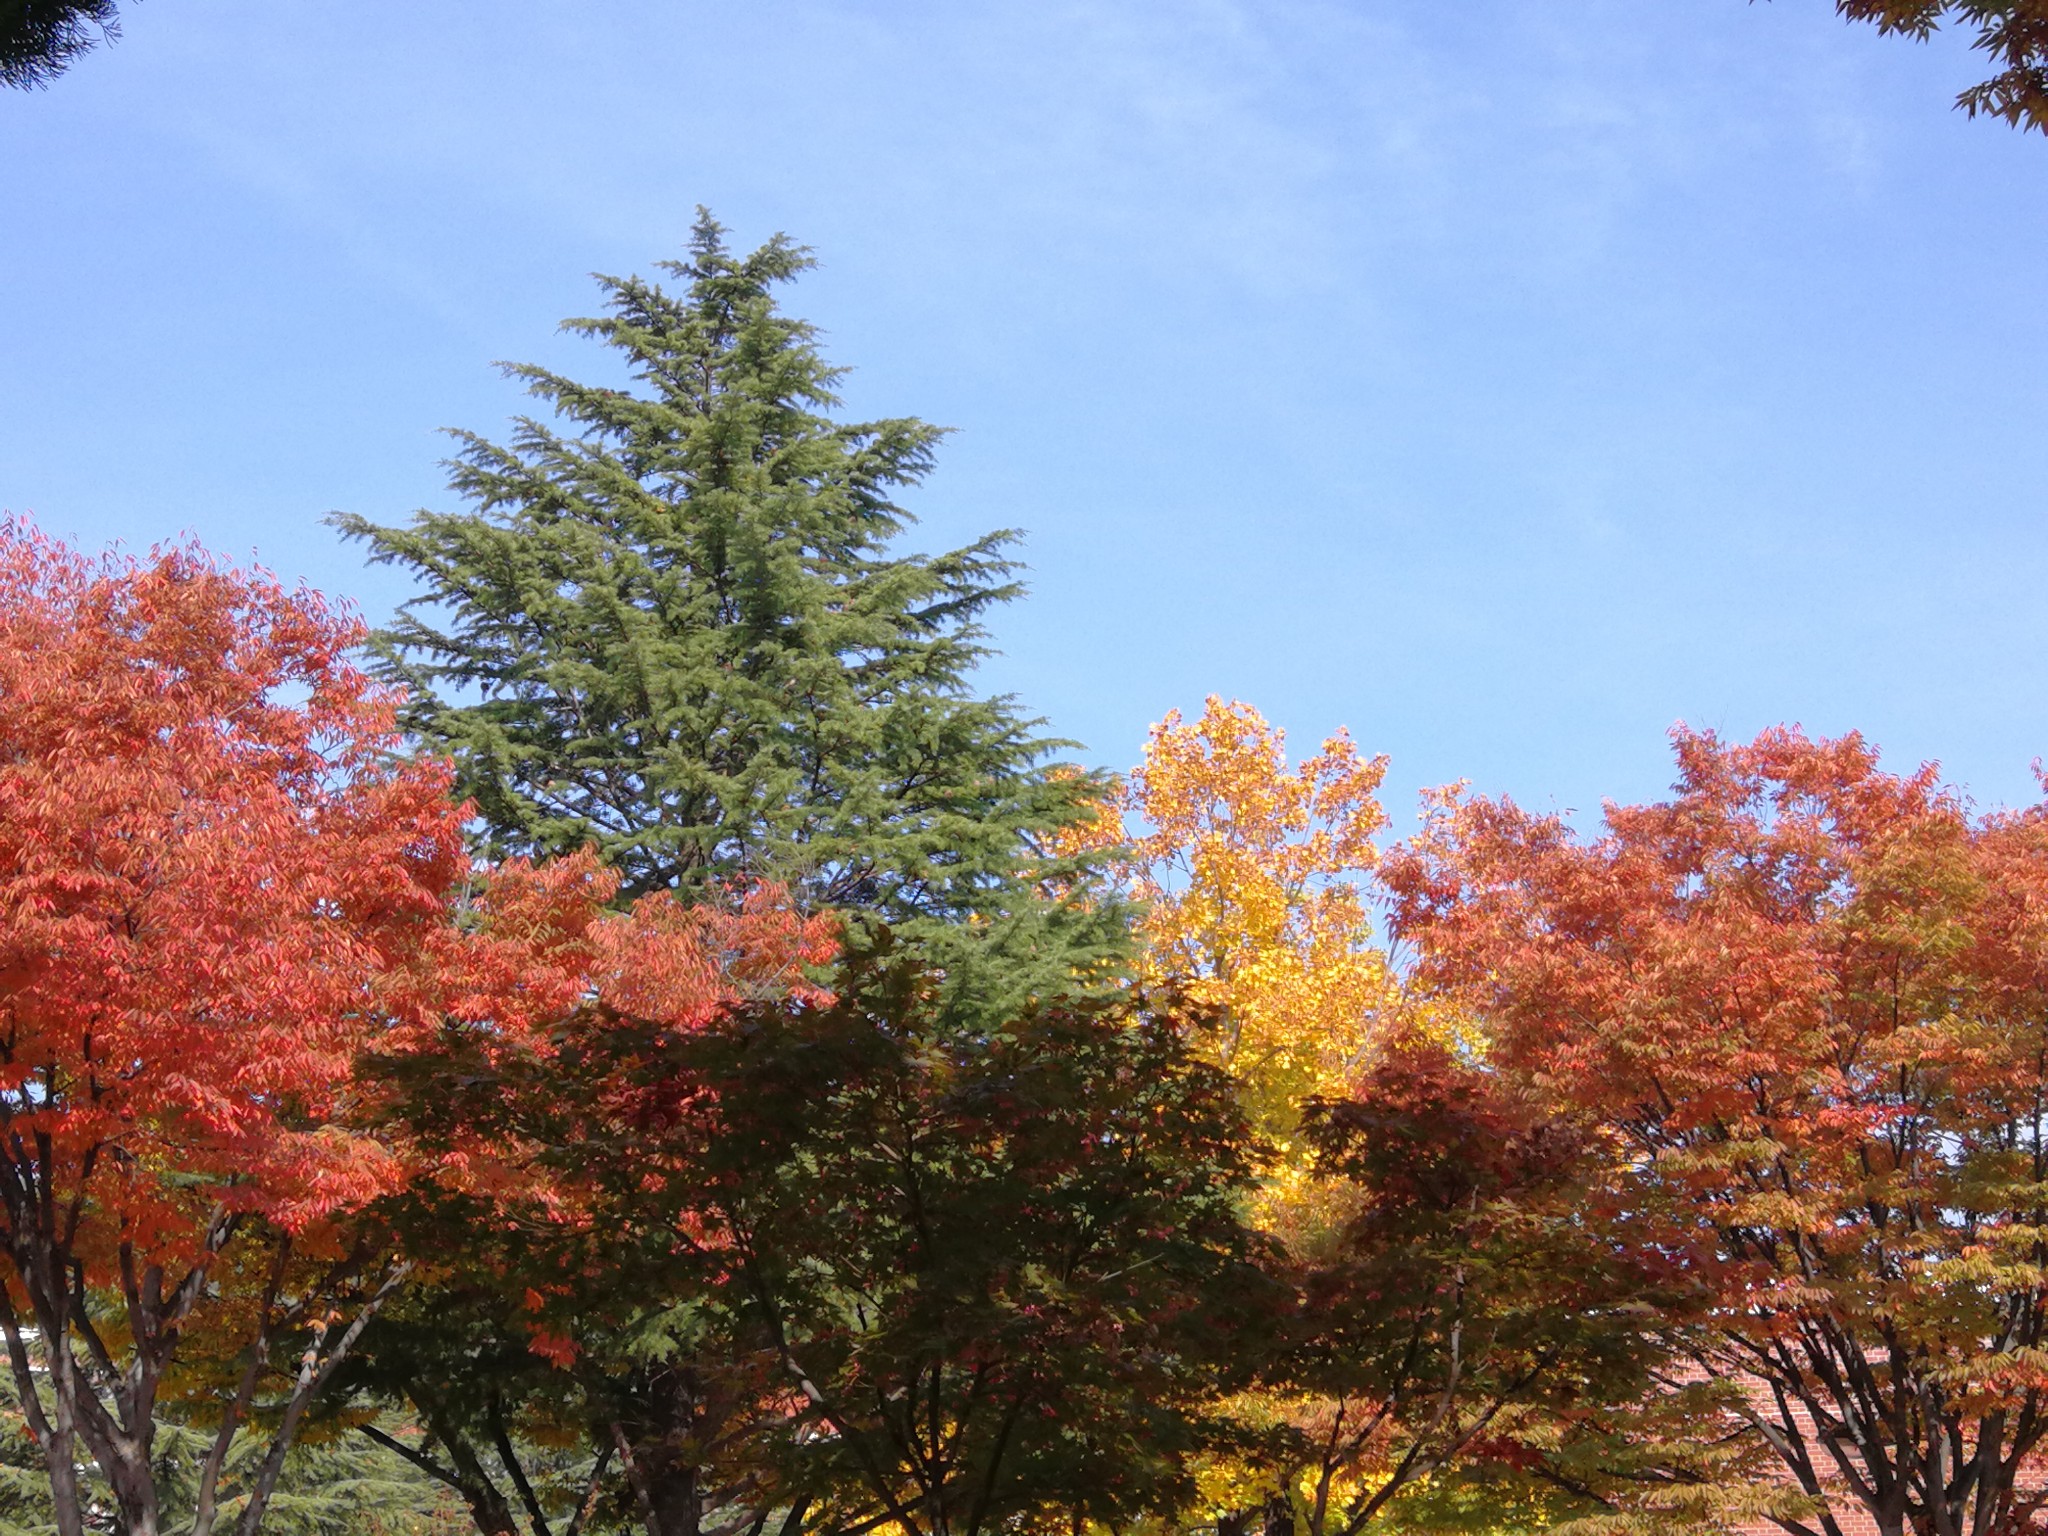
1250, 873
1251, 878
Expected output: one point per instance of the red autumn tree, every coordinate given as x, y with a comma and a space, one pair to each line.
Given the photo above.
1805, 1002
1455, 1306
219, 884
554, 1228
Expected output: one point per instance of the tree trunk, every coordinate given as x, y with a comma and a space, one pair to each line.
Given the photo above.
493, 1516
134, 1483
59, 1458
56, 1437
673, 1485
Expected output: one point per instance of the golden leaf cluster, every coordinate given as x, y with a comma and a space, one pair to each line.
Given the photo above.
1250, 874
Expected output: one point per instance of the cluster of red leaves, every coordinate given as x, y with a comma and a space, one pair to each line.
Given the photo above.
221, 884
210, 864
1807, 1002
1428, 1132
574, 1147
585, 1085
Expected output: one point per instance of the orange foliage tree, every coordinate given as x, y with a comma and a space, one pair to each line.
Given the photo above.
1805, 1003
220, 884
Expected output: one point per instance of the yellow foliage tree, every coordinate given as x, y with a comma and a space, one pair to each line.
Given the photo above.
1250, 874
1252, 877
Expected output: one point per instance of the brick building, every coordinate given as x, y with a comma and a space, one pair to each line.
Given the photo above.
1847, 1511
1844, 1507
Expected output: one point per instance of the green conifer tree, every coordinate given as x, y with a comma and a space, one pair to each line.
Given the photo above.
671, 624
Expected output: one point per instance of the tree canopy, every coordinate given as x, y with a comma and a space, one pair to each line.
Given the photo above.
219, 887
1805, 1001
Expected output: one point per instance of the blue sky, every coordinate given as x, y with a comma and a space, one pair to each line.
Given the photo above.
1504, 379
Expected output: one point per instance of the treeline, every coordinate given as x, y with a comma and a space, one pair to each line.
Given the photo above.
643, 1045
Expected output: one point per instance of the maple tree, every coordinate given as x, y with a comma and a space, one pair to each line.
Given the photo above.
1002, 1274
219, 885
832, 1260
196, 892
1804, 1002
556, 1234
1420, 1329
1460, 1307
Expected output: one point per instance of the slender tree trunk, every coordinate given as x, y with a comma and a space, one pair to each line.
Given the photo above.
60, 1457
52, 1430
67, 1408
643, 1495
319, 1362
488, 1509
206, 1502
467, 1475
64, 1491
591, 1488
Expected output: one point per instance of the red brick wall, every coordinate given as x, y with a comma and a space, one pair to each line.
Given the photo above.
1847, 1509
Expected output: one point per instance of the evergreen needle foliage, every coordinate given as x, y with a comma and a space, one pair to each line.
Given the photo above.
343, 1485
670, 624
40, 38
